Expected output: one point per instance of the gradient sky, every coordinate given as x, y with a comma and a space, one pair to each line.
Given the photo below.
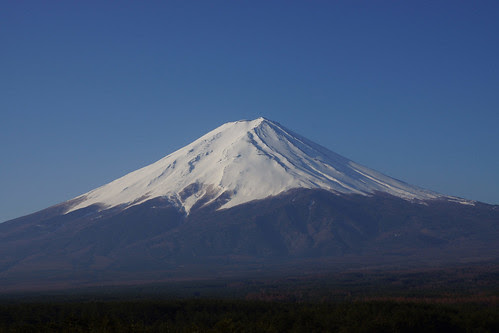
91, 90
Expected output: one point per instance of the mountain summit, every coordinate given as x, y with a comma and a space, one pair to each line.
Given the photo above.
243, 161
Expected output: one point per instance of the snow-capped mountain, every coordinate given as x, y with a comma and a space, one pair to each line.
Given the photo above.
247, 197
245, 161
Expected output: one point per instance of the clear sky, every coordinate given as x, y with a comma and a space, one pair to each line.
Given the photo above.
91, 90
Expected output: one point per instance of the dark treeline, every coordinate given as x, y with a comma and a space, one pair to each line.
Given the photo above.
211, 315
460, 299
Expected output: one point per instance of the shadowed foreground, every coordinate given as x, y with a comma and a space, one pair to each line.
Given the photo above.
247, 316
461, 299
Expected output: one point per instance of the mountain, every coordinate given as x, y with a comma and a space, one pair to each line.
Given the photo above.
246, 198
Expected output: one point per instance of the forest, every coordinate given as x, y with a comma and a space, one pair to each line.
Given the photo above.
460, 299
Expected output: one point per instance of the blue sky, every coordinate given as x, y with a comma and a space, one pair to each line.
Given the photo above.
91, 90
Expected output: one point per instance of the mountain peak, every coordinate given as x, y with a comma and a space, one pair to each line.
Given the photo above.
245, 125
243, 161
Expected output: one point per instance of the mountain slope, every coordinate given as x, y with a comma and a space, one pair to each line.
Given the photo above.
244, 161
298, 230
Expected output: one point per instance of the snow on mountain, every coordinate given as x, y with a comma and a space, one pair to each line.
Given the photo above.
245, 160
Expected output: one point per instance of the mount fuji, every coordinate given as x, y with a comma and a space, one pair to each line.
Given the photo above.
249, 196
